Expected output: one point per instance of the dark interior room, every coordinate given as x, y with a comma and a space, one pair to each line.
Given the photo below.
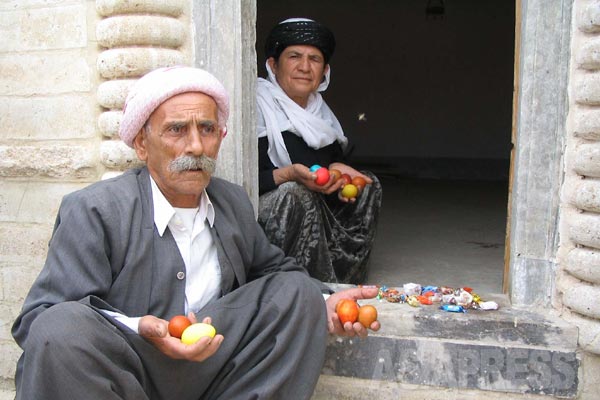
424, 92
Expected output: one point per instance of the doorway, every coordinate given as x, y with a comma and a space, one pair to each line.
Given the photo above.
425, 96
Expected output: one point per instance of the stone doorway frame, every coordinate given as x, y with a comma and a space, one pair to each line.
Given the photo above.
225, 36
542, 53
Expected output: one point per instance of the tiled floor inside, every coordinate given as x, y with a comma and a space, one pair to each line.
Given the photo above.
436, 232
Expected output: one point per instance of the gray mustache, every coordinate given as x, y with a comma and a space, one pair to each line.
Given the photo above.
191, 163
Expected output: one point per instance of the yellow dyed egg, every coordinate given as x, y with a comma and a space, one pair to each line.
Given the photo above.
194, 332
349, 191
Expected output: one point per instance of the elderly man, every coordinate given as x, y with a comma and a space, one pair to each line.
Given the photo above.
128, 254
328, 234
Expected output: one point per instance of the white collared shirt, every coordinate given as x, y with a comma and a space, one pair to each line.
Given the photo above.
190, 228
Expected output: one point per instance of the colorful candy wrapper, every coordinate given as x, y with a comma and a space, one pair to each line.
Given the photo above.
429, 289
452, 308
488, 305
462, 297
412, 289
413, 301
446, 290
447, 298
436, 297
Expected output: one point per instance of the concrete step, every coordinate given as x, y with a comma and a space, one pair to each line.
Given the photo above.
507, 352
426, 353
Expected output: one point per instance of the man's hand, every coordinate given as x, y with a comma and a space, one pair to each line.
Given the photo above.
349, 329
156, 331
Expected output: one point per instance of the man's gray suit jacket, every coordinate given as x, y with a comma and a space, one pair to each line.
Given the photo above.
105, 251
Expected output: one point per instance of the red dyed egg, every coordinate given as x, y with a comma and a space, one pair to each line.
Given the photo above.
346, 178
322, 176
178, 324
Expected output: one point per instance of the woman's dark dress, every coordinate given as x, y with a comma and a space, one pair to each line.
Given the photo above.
330, 238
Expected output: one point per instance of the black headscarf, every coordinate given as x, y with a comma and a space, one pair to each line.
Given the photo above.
303, 31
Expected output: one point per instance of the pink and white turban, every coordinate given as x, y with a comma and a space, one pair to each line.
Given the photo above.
157, 86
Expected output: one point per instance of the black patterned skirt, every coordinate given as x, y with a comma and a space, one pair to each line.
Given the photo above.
330, 238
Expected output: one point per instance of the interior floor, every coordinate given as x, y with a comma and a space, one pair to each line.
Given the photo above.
441, 233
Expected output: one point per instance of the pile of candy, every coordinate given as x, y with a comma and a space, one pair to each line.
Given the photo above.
450, 299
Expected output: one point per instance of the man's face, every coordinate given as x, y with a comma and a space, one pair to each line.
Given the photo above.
299, 71
184, 125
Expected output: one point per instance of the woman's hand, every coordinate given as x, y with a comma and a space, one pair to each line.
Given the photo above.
349, 329
301, 174
346, 169
156, 331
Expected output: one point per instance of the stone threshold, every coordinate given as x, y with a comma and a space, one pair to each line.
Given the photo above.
509, 351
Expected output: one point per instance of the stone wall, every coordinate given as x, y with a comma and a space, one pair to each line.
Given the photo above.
66, 67
48, 140
579, 256
134, 38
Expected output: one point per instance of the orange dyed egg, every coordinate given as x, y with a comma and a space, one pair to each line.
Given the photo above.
367, 315
359, 182
335, 173
347, 311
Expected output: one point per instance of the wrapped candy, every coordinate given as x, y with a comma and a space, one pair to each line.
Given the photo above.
411, 289
448, 299
488, 305
436, 297
458, 299
446, 290
395, 298
413, 301
452, 308
391, 295
463, 298
430, 288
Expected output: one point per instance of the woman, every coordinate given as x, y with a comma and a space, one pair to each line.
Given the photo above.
330, 235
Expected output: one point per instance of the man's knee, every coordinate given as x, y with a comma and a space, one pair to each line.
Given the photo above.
303, 290
62, 324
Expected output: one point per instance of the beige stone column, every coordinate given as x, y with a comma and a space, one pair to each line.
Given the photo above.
217, 35
579, 256
136, 37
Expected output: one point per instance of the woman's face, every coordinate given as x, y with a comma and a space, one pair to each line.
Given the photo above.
299, 71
